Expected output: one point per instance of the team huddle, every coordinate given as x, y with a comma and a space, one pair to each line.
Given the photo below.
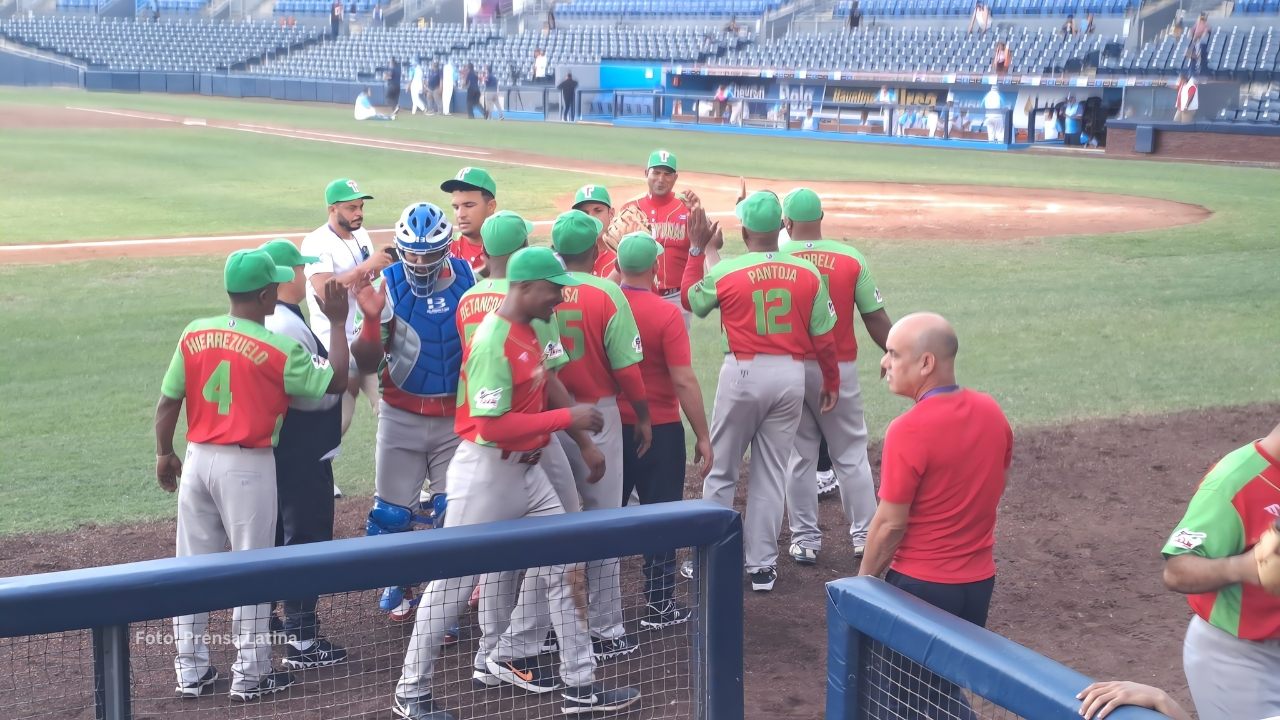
510, 381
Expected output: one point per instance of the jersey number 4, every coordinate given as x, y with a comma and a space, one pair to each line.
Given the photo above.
770, 307
217, 389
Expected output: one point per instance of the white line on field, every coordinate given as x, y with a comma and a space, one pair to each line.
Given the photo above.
417, 145
121, 113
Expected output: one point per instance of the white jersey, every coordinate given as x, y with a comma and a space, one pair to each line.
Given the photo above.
336, 256
289, 323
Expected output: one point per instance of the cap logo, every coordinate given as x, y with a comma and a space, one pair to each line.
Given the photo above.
588, 190
664, 156
462, 174
352, 184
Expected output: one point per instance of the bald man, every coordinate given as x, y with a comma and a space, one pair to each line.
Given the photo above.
942, 473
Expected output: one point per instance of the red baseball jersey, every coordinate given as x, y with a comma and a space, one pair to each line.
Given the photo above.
236, 377
669, 225
483, 298
770, 303
849, 285
599, 336
666, 345
606, 262
473, 253
946, 457
504, 371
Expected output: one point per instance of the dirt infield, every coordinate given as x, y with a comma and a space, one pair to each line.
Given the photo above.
895, 211
1086, 511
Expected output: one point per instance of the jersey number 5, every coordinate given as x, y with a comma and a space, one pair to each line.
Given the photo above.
573, 335
217, 389
770, 306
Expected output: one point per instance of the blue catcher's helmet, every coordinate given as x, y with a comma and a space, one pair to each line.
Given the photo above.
422, 237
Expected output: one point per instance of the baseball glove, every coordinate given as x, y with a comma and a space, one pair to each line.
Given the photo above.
1267, 554
628, 220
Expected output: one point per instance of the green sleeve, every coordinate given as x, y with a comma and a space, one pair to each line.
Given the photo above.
702, 297
553, 355
1211, 528
489, 381
305, 375
622, 337
865, 294
174, 385
823, 317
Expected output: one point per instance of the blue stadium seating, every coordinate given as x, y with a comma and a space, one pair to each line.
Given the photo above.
1257, 7
998, 7
659, 8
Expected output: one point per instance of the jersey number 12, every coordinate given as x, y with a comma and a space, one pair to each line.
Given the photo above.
217, 389
770, 306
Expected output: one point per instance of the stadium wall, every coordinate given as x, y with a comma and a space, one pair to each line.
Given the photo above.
19, 68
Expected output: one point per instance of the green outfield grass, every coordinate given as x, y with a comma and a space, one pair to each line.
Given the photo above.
1061, 329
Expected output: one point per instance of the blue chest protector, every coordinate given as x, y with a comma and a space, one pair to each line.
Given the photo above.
425, 353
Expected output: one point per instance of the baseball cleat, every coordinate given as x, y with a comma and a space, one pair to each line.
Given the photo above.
451, 635
322, 653
524, 673
337, 491
763, 580
664, 614
826, 481
419, 708
686, 569
550, 643
195, 689
481, 679
617, 647
273, 683
399, 603
597, 698
803, 555
859, 550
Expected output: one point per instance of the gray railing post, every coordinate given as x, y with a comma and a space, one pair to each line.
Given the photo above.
844, 646
721, 614
111, 672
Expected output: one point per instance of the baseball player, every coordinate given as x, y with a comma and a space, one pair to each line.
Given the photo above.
775, 312
604, 350
473, 196
235, 377
418, 337
594, 200
505, 419
309, 437
1232, 647
851, 288
348, 255
668, 215
667, 369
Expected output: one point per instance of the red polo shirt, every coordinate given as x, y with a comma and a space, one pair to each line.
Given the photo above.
946, 457
666, 345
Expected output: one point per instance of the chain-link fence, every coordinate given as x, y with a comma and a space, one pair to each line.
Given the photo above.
578, 636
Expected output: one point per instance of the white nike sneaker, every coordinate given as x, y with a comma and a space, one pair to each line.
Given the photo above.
337, 491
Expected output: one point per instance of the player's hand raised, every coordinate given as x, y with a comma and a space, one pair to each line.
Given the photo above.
168, 470
700, 228
586, 417
335, 303
371, 301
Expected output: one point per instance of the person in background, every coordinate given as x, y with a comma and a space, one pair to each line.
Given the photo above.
379, 19
435, 81
539, 65
365, 110
994, 105
1101, 698
1073, 120
492, 97
335, 19
1187, 99
1089, 29
472, 82
551, 15
449, 80
810, 122
417, 76
1200, 34
1001, 59
568, 98
394, 78
1069, 27
981, 17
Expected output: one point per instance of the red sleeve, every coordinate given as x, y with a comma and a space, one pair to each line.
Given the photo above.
513, 428
675, 342
694, 270
631, 383
825, 346
901, 465
1008, 452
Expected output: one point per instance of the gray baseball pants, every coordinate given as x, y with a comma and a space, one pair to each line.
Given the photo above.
227, 496
758, 405
1229, 677
846, 432
411, 449
485, 487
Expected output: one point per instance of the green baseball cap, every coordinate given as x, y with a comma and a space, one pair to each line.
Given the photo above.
592, 193
638, 251
504, 232
760, 212
802, 205
286, 254
471, 178
344, 190
662, 158
249, 270
538, 263
575, 232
